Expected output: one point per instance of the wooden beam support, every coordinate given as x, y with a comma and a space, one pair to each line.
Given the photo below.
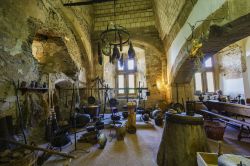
85, 2
52, 152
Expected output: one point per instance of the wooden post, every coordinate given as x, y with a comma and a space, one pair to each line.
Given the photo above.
131, 123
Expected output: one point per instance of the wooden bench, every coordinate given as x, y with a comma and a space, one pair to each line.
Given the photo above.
227, 119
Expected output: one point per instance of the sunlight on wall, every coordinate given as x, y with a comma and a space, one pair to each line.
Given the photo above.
201, 10
232, 87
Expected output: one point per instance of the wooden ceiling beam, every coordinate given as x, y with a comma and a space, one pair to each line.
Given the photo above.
85, 2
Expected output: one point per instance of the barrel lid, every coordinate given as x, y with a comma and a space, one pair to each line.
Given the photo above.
182, 118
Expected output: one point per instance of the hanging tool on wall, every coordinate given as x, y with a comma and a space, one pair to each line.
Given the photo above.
20, 114
177, 93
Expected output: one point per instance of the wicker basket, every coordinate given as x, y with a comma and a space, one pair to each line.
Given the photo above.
214, 130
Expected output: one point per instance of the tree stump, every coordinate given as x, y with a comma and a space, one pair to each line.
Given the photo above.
182, 138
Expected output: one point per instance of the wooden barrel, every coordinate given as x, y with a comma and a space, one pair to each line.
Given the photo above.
182, 138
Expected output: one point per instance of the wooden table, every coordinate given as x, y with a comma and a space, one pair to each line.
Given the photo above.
225, 109
238, 109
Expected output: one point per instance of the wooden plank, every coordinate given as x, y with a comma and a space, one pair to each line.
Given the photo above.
38, 148
227, 118
85, 2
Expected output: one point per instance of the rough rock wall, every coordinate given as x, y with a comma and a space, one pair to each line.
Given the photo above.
52, 56
17, 61
21, 21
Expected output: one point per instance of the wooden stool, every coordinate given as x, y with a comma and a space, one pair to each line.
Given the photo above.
182, 138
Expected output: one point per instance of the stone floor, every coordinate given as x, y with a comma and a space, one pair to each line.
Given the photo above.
138, 149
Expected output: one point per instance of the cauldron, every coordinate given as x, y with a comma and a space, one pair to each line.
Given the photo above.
158, 120
60, 138
115, 117
80, 119
145, 117
92, 110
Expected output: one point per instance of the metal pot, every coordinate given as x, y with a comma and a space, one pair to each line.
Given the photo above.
60, 139
125, 114
80, 120
145, 117
115, 117
159, 121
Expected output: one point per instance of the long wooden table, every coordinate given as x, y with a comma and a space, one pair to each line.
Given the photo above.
236, 109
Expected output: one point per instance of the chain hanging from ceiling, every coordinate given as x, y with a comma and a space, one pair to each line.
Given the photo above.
112, 41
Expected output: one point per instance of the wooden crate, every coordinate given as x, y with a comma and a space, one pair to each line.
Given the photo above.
207, 159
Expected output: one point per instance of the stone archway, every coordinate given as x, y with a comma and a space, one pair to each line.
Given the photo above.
219, 37
76, 34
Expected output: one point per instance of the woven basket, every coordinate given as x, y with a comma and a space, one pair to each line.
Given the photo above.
214, 130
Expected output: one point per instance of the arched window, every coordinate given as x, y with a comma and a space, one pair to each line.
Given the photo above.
126, 77
204, 81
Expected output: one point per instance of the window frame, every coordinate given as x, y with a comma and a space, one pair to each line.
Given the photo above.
203, 72
126, 72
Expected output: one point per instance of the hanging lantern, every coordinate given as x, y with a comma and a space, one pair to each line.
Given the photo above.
131, 51
116, 53
113, 37
121, 60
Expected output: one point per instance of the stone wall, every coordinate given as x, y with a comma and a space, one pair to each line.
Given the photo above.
167, 13
129, 14
53, 57
231, 64
21, 21
180, 67
230, 61
139, 18
154, 78
151, 71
